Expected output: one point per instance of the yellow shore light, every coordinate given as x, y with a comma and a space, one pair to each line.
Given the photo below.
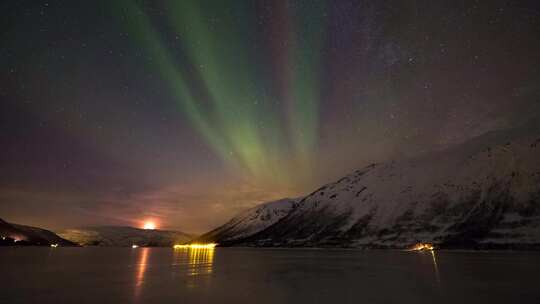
195, 246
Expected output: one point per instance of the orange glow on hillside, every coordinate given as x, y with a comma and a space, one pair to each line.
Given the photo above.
423, 247
149, 225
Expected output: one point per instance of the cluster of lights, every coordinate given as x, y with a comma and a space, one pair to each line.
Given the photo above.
196, 246
54, 245
15, 239
188, 246
423, 247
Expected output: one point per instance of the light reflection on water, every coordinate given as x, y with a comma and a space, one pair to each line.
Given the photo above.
430, 257
142, 262
195, 263
199, 260
436, 267
239, 275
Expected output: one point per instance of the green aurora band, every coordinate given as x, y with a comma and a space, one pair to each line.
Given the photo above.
222, 87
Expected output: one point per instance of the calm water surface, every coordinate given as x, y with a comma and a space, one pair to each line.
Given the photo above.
244, 275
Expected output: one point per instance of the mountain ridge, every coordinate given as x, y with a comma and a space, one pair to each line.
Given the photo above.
484, 193
124, 236
16, 234
248, 222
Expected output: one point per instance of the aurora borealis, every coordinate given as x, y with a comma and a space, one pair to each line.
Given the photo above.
187, 112
224, 87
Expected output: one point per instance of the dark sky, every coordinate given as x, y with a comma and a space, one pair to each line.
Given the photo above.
187, 112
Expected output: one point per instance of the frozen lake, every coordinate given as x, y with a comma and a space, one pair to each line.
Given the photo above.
245, 275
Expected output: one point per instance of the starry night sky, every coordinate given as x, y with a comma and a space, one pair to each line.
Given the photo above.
187, 112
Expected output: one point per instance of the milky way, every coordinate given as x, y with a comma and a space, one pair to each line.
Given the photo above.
187, 112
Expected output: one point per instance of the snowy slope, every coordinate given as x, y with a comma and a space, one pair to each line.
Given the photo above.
485, 192
249, 222
120, 236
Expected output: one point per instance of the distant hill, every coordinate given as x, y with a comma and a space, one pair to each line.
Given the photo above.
122, 236
14, 234
484, 193
248, 222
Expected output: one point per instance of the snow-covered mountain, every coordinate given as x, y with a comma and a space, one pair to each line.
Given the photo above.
120, 236
27, 235
483, 193
249, 222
